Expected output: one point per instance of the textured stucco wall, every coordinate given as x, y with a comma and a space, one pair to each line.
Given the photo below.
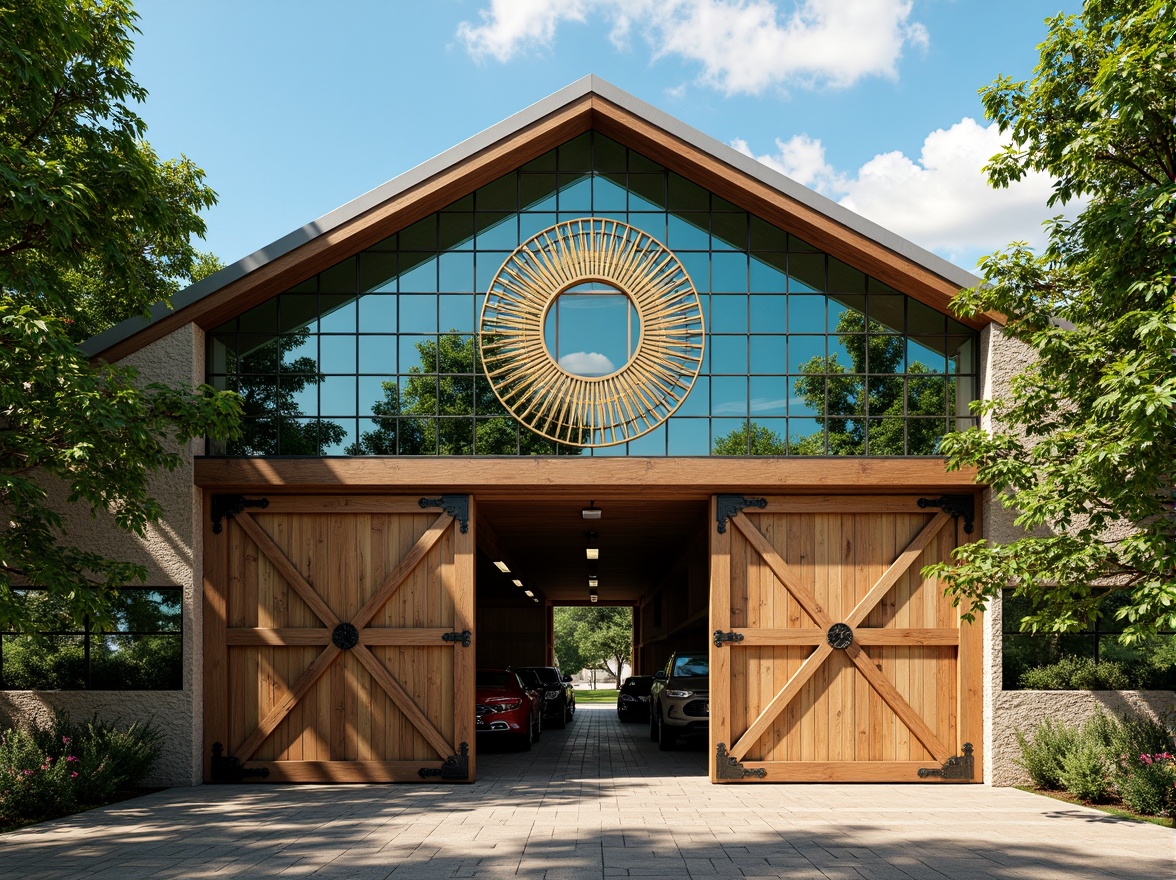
1006, 712
171, 550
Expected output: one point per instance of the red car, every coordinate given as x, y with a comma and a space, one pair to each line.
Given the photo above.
506, 709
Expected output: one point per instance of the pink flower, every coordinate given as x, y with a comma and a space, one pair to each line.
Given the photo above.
28, 772
65, 739
74, 775
70, 758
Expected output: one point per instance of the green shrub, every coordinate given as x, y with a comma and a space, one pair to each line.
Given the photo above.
1148, 783
50, 771
1076, 674
1042, 755
1085, 770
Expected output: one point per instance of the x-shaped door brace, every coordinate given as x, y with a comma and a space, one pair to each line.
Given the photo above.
378, 636
886, 690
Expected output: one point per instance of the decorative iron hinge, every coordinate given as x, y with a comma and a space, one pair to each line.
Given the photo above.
726, 506
956, 505
455, 767
727, 767
457, 506
464, 637
226, 768
723, 637
231, 505
958, 767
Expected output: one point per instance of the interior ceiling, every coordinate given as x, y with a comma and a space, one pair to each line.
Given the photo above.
543, 542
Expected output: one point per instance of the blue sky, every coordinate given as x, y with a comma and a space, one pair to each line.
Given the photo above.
296, 107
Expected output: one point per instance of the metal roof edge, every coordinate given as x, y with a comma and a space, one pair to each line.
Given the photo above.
587, 85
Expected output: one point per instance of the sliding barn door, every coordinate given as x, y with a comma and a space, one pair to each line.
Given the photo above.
338, 644
833, 657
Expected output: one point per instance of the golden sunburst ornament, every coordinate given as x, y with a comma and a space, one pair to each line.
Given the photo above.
591, 410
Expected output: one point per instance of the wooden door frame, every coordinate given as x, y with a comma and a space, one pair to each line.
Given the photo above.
727, 765
461, 762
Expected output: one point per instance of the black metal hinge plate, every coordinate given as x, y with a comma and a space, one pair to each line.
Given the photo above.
231, 505
726, 506
463, 638
456, 768
722, 638
457, 506
959, 506
727, 767
958, 767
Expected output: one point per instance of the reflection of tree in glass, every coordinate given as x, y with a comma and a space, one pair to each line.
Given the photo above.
433, 413
762, 441
55, 657
839, 394
272, 422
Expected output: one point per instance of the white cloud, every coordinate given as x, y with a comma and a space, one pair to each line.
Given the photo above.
742, 46
511, 26
587, 363
941, 200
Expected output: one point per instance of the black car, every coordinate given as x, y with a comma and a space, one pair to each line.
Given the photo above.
559, 700
633, 700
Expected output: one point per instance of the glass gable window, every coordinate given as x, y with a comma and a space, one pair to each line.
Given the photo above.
804, 354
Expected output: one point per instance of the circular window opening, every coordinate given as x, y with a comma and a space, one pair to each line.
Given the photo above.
592, 329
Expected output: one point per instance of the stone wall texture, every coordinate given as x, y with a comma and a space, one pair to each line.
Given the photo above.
171, 550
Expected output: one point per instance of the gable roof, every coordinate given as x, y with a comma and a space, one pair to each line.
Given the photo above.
589, 103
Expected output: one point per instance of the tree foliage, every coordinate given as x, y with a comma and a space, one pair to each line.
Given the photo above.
845, 404
94, 228
1083, 445
594, 637
431, 414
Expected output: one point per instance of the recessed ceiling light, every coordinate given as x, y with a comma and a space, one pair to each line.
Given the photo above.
530, 595
517, 582
591, 511
502, 567
593, 582
592, 553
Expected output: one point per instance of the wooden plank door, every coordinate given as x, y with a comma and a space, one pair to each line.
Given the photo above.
338, 643
833, 658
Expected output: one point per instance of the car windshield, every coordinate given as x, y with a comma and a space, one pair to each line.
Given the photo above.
547, 674
496, 678
638, 686
690, 667
530, 679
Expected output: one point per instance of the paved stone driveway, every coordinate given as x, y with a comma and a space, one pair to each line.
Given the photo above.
595, 801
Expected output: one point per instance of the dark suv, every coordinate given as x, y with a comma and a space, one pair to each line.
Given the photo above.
559, 700
679, 703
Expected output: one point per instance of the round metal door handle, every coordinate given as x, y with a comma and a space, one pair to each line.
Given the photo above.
345, 636
840, 636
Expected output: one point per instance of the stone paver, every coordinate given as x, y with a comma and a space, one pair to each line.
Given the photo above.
595, 801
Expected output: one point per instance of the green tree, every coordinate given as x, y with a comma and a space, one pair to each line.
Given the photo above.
845, 403
417, 420
94, 228
594, 637
1084, 441
751, 439
567, 644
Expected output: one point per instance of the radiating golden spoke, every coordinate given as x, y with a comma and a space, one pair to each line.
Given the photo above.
580, 410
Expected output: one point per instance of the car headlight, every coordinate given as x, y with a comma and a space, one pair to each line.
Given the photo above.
551, 695
678, 695
626, 698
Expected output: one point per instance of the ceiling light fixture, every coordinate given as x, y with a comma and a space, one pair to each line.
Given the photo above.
517, 582
592, 553
592, 597
591, 511
593, 582
501, 566
530, 595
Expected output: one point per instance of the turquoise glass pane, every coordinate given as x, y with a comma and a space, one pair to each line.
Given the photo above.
729, 315
377, 354
337, 395
729, 395
728, 354
418, 314
685, 436
575, 194
457, 230
769, 395
688, 232
768, 354
806, 351
729, 273
456, 273
420, 276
